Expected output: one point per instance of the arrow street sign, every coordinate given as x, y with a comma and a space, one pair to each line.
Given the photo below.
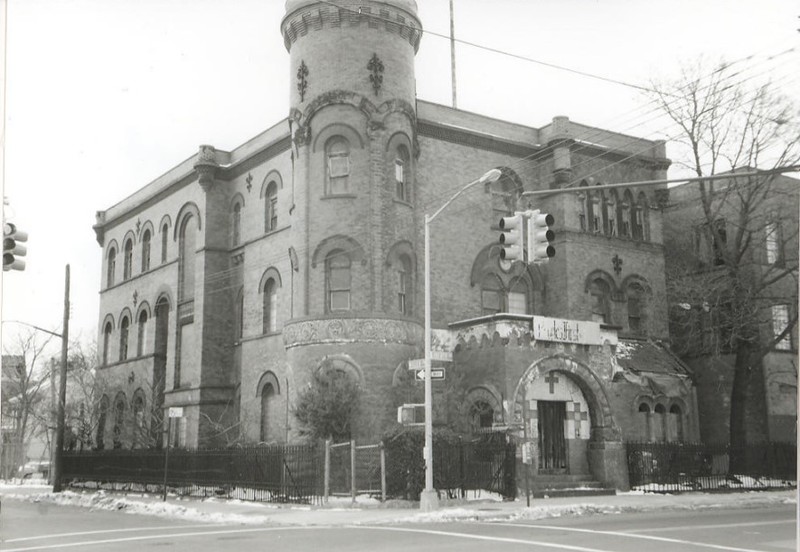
436, 374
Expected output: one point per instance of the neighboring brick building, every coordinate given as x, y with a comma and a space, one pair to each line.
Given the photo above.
756, 221
231, 278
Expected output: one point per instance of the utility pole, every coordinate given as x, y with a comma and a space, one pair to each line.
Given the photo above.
62, 390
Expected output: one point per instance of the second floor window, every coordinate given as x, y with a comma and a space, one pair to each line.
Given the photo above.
271, 208
337, 153
111, 266
773, 243
146, 251
236, 237
338, 280
123, 338
128, 261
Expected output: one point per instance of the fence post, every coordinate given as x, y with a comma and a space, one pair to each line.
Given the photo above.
326, 491
383, 472
353, 469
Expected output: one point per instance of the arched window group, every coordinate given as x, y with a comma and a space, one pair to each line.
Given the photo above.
124, 342
613, 214
625, 305
504, 287
660, 424
128, 250
128, 422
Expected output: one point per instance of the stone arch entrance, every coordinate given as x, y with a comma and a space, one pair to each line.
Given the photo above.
567, 423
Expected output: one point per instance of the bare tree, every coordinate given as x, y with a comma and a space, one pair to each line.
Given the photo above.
727, 241
25, 409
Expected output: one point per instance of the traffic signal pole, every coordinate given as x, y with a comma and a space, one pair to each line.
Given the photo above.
429, 499
62, 391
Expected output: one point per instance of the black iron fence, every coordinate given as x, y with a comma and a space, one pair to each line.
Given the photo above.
675, 467
297, 473
268, 474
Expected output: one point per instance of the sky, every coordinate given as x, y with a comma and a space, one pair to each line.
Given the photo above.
103, 96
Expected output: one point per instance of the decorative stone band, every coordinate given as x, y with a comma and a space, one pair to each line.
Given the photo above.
318, 16
352, 330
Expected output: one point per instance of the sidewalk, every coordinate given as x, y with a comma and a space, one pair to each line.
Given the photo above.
343, 512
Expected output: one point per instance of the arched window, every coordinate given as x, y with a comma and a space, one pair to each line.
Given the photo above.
139, 430
491, 295
267, 405
596, 211
106, 342
141, 333
271, 207
111, 267
186, 254
337, 280
146, 250
641, 218
164, 241
517, 299
599, 293
101, 423
675, 424
644, 422
401, 174
610, 214
625, 214
337, 159
659, 423
270, 306
239, 324
636, 308
128, 261
403, 285
123, 338
481, 415
119, 420
236, 224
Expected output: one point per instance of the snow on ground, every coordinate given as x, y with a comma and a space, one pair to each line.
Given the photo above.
483, 507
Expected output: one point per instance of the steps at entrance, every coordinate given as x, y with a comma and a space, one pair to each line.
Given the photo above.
560, 485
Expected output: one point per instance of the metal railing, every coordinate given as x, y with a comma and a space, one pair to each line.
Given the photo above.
675, 467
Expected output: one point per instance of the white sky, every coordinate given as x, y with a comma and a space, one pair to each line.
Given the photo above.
103, 96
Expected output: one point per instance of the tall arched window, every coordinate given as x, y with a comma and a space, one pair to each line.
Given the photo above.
270, 306
236, 224
659, 421
106, 342
644, 422
271, 207
599, 293
641, 218
267, 401
401, 174
111, 266
123, 338
491, 295
337, 159
625, 214
596, 210
675, 425
239, 325
186, 258
102, 418
337, 271
636, 308
164, 242
610, 213
146, 250
128, 261
141, 336
403, 285
139, 430
119, 420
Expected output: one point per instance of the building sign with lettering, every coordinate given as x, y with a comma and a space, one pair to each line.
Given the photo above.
569, 331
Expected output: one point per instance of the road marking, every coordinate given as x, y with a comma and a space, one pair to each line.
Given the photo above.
480, 537
631, 535
161, 536
132, 529
717, 526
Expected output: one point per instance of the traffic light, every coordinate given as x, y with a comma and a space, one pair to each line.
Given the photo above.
540, 237
511, 238
12, 248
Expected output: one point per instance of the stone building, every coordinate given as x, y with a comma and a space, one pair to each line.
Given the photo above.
755, 225
233, 277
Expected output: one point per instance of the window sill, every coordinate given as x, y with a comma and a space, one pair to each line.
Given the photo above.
339, 196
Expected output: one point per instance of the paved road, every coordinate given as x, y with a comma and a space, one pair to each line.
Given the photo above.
28, 527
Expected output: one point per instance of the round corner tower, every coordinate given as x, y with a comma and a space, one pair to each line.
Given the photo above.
353, 125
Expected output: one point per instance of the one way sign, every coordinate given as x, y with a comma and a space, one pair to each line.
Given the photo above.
436, 374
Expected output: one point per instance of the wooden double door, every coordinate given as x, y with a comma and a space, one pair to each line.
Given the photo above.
551, 416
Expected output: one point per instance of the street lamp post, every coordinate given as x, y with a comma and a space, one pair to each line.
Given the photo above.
429, 500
